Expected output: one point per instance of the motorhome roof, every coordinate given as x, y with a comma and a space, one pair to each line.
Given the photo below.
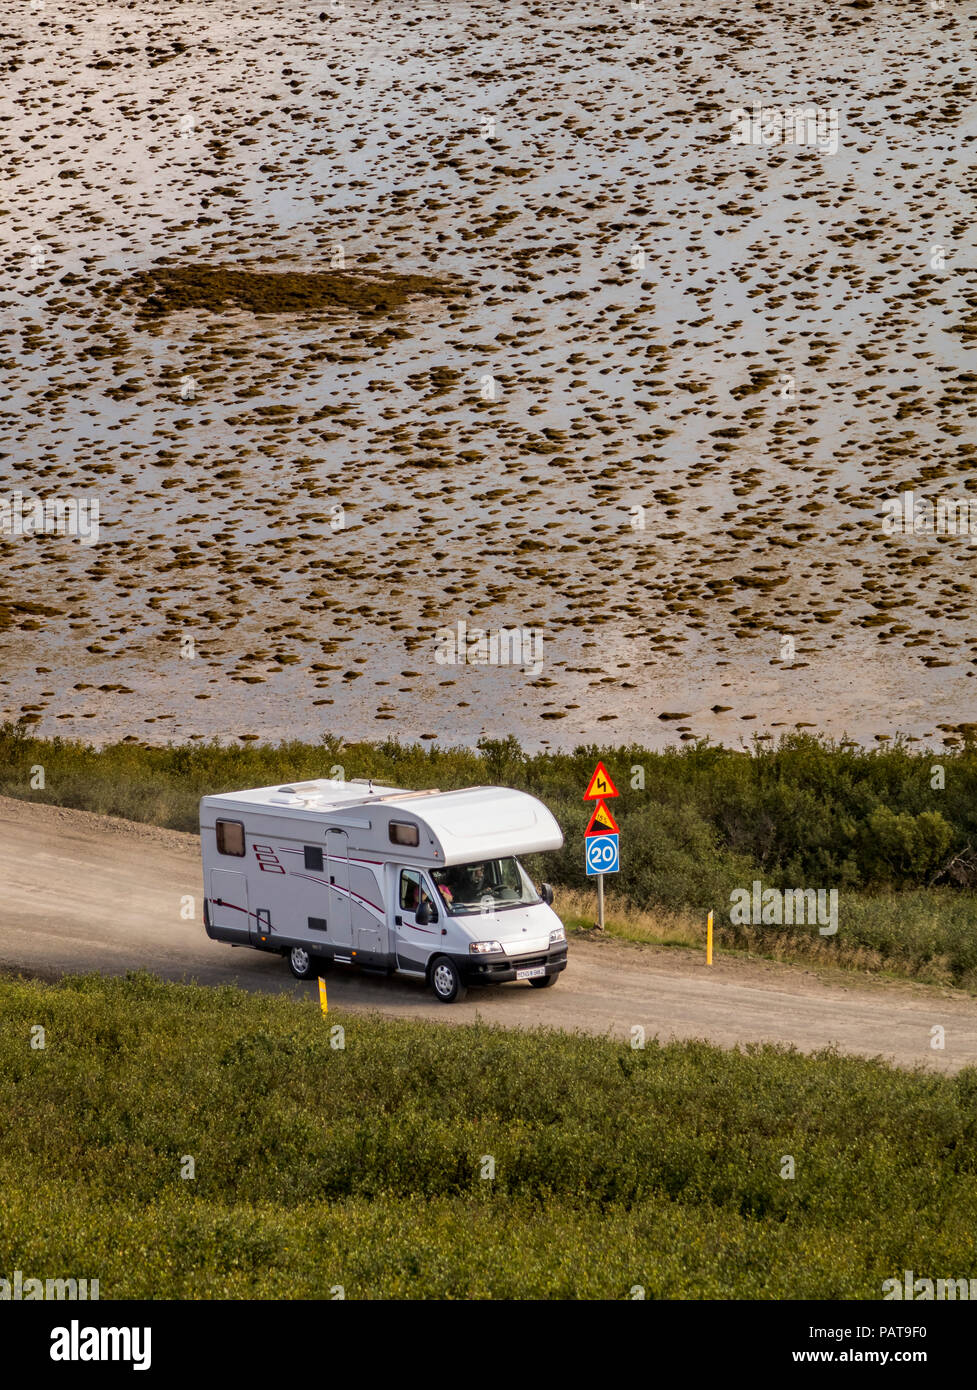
319, 795
467, 824
485, 822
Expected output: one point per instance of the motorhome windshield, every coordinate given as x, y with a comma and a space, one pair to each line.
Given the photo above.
486, 886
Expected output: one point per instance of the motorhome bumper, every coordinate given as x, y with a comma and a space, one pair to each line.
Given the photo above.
497, 969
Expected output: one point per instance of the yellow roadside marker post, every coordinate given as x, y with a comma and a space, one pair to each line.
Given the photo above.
708, 940
323, 1001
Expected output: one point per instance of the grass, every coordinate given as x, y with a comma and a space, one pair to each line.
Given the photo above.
318, 1167
578, 911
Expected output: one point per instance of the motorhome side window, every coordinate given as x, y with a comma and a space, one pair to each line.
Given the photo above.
403, 833
313, 857
413, 893
410, 889
230, 837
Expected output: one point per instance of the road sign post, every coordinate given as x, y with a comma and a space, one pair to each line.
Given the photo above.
602, 837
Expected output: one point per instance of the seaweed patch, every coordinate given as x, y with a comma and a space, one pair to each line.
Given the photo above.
166, 289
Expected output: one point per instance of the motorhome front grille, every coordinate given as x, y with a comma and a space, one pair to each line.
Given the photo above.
497, 967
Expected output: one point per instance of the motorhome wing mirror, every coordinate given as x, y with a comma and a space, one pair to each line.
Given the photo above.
546, 893
423, 916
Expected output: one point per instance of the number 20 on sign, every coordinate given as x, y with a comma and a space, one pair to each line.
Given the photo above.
603, 855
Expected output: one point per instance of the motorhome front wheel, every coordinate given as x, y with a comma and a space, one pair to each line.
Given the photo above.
446, 981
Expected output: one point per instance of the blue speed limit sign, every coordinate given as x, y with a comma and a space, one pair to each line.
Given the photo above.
602, 854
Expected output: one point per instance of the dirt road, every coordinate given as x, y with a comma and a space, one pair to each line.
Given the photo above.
82, 892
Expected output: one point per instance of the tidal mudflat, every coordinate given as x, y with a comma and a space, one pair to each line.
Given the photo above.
364, 320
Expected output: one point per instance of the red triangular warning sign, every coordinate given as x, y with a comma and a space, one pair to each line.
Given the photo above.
602, 822
600, 784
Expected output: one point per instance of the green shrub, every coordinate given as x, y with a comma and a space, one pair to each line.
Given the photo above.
903, 847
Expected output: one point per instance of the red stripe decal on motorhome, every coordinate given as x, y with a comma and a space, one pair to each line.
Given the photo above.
348, 891
234, 908
337, 857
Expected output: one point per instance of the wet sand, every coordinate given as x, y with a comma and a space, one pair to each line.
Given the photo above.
334, 487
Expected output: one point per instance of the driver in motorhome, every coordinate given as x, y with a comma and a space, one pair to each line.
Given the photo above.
460, 884
446, 881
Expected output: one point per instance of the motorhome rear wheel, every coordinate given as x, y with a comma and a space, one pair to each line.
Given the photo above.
301, 963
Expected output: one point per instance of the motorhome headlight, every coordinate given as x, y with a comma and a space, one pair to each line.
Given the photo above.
557, 934
484, 948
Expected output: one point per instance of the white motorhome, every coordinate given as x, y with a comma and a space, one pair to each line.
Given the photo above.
424, 883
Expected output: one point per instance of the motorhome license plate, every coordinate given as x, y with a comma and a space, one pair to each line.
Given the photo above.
532, 972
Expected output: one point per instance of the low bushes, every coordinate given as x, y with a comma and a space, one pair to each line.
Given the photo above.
367, 1166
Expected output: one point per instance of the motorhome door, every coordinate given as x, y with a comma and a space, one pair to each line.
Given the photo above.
337, 865
414, 941
229, 901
